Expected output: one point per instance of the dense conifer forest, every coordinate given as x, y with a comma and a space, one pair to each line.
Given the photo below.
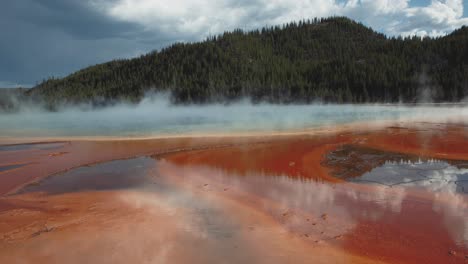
328, 60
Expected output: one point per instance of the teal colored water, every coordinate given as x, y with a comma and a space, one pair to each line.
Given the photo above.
158, 118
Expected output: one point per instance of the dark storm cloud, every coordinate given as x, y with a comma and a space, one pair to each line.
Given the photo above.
40, 38
72, 17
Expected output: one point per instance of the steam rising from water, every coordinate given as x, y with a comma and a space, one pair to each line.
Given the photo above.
156, 116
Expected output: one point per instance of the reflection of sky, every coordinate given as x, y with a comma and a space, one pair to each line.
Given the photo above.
447, 183
345, 204
288, 200
433, 175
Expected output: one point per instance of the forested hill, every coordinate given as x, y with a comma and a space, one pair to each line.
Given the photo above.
331, 60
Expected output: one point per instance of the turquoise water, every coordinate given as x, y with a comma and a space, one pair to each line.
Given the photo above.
158, 118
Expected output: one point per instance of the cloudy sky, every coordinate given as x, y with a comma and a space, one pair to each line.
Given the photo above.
43, 38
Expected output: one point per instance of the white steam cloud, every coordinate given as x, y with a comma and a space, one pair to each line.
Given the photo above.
189, 20
156, 116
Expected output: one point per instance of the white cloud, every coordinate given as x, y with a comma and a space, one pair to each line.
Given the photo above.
378, 6
194, 19
191, 18
438, 18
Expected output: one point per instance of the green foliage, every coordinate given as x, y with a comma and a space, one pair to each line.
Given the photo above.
332, 60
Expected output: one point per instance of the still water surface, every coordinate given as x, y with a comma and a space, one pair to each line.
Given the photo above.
389, 197
158, 118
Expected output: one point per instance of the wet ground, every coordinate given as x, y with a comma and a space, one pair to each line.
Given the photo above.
119, 174
11, 167
37, 146
435, 175
366, 165
335, 198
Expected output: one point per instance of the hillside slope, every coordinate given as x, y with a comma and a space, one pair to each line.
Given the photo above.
333, 60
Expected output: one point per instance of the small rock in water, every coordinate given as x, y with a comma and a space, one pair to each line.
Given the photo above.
324, 216
292, 163
452, 252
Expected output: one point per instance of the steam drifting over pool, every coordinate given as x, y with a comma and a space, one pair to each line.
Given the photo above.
156, 116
